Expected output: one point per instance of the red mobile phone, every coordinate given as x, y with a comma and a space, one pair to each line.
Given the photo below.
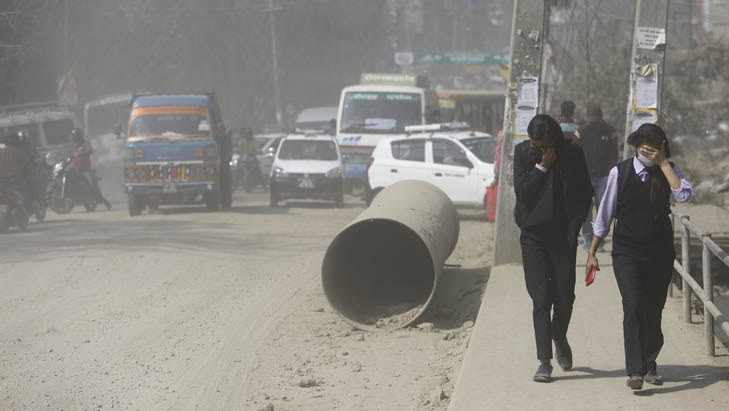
590, 276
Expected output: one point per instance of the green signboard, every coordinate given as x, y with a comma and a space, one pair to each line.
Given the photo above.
391, 79
463, 58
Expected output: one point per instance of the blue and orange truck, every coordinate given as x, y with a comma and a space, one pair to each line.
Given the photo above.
177, 151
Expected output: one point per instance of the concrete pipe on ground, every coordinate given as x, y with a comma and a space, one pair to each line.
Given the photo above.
382, 270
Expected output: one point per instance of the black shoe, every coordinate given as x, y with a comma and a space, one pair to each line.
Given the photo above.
544, 372
563, 354
635, 382
652, 376
107, 204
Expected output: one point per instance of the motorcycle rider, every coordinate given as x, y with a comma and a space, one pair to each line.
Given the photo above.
15, 169
81, 163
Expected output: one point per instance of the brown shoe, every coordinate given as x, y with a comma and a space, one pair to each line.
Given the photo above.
635, 382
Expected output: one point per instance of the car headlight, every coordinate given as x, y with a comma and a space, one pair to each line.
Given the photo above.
335, 172
279, 172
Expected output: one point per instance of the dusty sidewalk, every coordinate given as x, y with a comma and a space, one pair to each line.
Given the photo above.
500, 360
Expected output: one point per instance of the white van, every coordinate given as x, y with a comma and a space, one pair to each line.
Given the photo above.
47, 125
439, 157
321, 119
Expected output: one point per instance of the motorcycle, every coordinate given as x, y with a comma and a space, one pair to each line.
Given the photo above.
68, 188
38, 201
12, 213
245, 172
236, 171
251, 173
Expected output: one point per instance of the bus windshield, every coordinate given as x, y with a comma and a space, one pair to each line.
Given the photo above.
380, 112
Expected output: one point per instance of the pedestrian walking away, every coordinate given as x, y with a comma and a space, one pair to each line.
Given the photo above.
567, 121
600, 144
637, 197
553, 194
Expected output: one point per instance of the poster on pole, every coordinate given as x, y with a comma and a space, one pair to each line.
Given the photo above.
524, 114
646, 92
527, 101
650, 37
644, 116
528, 91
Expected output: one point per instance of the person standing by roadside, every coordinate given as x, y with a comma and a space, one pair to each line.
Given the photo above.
567, 121
637, 197
553, 195
600, 144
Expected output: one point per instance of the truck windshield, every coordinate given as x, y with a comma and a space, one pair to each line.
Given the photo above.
380, 112
170, 126
308, 150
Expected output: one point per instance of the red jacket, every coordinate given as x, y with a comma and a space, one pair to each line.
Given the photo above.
81, 157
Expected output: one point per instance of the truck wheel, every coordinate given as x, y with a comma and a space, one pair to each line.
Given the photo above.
274, 197
226, 195
212, 201
23, 219
91, 205
4, 225
340, 199
136, 205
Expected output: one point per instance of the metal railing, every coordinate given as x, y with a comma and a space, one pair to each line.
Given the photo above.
705, 294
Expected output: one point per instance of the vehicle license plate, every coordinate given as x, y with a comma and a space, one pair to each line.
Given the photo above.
169, 188
306, 183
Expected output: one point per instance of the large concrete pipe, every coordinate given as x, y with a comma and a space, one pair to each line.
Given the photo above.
381, 271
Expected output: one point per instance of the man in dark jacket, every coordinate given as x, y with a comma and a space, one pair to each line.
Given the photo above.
553, 193
600, 145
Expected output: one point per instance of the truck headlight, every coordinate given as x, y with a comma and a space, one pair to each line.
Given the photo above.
335, 172
280, 172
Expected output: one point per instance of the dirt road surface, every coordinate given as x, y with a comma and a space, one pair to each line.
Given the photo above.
183, 309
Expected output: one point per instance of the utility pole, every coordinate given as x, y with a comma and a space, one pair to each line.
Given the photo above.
646, 66
274, 58
525, 66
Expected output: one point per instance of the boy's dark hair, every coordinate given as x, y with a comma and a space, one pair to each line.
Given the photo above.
594, 112
545, 127
567, 109
650, 134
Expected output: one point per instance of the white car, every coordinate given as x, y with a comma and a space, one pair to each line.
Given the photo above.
441, 158
307, 166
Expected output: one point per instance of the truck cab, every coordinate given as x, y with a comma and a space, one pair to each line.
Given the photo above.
177, 151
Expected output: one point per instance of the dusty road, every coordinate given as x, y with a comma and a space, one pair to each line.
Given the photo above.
183, 309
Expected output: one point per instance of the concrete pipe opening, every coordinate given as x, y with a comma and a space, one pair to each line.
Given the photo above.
379, 274
382, 270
